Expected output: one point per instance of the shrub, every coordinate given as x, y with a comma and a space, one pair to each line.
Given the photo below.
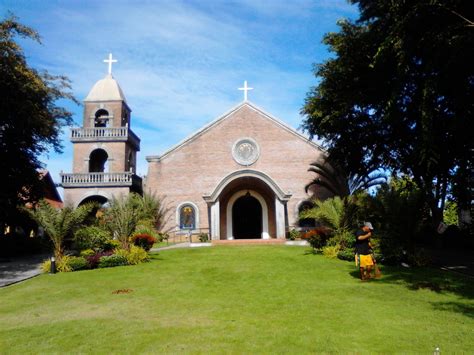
77, 263
93, 260
203, 237
91, 237
87, 252
110, 245
135, 256
293, 234
62, 265
144, 241
112, 260
316, 237
419, 257
331, 251
346, 254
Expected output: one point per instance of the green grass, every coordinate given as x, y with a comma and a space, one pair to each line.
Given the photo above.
255, 299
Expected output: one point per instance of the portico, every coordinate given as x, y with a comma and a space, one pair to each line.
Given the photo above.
247, 204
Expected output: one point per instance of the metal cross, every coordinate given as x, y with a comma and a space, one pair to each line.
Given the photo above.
110, 61
245, 89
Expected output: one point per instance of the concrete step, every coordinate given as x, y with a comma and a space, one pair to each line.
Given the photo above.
248, 242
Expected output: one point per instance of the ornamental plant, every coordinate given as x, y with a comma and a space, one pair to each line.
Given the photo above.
144, 241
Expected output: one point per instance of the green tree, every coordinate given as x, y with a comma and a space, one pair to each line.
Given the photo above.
397, 94
30, 119
59, 223
127, 213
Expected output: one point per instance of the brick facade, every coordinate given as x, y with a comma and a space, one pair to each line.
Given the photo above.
202, 170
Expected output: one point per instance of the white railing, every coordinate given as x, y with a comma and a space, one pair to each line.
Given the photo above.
114, 179
98, 132
106, 133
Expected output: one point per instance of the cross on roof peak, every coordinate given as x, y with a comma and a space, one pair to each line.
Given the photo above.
245, 89
110, 61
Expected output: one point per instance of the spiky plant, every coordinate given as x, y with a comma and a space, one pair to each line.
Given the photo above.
59, 223
341, 184
126, 213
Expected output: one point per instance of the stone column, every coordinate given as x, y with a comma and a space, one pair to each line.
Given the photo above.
280, 218
215, 221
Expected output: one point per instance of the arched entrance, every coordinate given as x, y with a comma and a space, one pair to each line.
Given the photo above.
247, 218
250, 218
262, 187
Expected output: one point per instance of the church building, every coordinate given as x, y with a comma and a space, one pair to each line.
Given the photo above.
242, 176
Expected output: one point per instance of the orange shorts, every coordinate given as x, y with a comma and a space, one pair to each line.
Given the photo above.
364, 260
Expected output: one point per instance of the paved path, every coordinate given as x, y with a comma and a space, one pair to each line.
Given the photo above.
16, 269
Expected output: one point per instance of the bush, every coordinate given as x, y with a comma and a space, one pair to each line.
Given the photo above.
87, 252
93, 260
110, 245
316, 237
331, 251
91, 237
112, 260
203, 237
77, 263
419, 257
293, 234
135, 256
346, 254
144, 241
62, 265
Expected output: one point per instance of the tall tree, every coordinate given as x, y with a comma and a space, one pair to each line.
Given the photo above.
398, 93
30, 119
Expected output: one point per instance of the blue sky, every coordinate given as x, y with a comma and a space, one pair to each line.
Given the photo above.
180, 62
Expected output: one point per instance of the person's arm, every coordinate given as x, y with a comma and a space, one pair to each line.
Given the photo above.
364, 236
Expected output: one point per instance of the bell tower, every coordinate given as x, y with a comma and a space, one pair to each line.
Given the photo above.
105, 147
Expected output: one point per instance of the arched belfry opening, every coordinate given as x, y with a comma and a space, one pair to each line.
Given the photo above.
99, 199
247, 217
101, 118
98, 161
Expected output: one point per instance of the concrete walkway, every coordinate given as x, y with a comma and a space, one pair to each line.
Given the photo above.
16, 269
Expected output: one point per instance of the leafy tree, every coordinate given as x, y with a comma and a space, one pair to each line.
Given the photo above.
59, 223
450, 215
30, 119
341, 184
398, 92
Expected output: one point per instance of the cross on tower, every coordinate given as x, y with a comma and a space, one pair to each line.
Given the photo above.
110, 61
245, 89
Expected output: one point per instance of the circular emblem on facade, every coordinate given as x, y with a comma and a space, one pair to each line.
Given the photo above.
245, 151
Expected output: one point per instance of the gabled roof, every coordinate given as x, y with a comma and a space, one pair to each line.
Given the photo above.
225, 116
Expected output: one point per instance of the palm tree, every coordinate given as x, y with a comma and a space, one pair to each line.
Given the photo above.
59, 223
341, 184
125, 214
335, 213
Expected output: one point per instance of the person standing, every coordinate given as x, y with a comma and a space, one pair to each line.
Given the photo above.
363, 251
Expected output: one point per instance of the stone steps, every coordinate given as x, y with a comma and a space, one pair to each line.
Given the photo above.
249, 242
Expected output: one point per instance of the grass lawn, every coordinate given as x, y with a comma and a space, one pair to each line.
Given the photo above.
239, 299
